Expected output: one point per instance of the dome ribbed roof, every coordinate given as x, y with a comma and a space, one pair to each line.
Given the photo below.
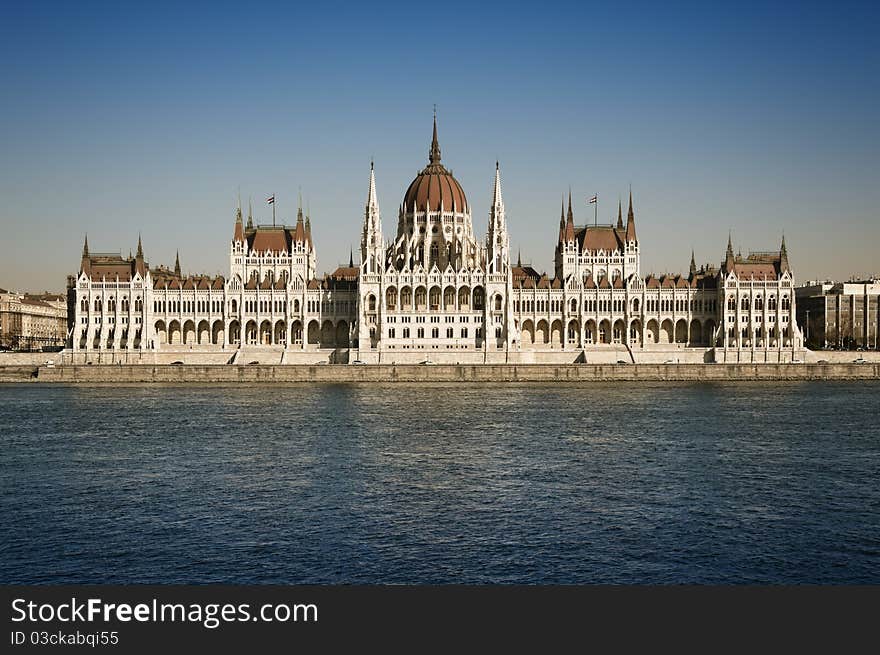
434, 186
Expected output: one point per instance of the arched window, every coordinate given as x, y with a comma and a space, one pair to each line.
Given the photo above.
371, 303
479, 298
759, 303
97, 304
498, 303
84, 305
744, 305
574, 306
635, 305
786, 303
731, 303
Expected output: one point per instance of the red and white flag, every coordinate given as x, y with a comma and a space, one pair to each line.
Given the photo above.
594, 199
271, 199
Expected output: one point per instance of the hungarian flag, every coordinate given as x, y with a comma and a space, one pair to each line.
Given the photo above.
594, 199
271, 200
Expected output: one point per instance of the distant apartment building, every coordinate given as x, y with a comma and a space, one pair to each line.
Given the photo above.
839, 315
32, 321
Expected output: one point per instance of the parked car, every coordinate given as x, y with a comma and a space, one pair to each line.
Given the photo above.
822, 361
427, 362
50, 363
621, 361
860, 360
358, 362
177, 363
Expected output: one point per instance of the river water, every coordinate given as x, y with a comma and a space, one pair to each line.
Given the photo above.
453, 483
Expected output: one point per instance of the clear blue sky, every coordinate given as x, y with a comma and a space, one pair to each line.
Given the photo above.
753, 118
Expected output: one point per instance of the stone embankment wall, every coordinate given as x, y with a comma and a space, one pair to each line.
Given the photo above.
489, 373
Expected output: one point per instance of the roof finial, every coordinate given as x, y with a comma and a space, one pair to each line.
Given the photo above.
350, 257
519, 257
434, 154
250, 223
570, 213
86, 246
619, 214
177, 263
140, 252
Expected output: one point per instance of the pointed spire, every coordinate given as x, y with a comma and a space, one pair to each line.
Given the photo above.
177, 264
250, 221
783, 256
434, 154
619, 214
630, 219
693, 269
372, 198
569, 221
729, 260
86, 247
140, 251
496, 195
350, 257
519, 258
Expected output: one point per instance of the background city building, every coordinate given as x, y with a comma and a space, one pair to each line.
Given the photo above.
32, 321
842, 315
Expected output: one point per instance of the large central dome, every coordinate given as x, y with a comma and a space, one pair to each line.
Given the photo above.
434, 187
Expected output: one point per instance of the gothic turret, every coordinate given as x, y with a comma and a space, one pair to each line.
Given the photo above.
497, 239
783, 257
139, 265
85, 266
238, 231
630, 220
372, 245
569, 222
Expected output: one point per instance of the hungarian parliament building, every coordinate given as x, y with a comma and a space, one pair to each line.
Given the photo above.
434, 293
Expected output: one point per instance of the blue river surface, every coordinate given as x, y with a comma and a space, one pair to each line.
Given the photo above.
453, 483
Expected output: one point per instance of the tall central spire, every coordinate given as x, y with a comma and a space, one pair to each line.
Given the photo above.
434, 155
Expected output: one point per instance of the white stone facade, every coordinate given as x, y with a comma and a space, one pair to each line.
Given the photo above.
436, 293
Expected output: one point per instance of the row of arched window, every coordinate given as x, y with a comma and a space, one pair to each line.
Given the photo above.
745, 303
124, 304
430, 300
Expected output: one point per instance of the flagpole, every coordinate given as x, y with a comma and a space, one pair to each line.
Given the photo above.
273, 209
596, 212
